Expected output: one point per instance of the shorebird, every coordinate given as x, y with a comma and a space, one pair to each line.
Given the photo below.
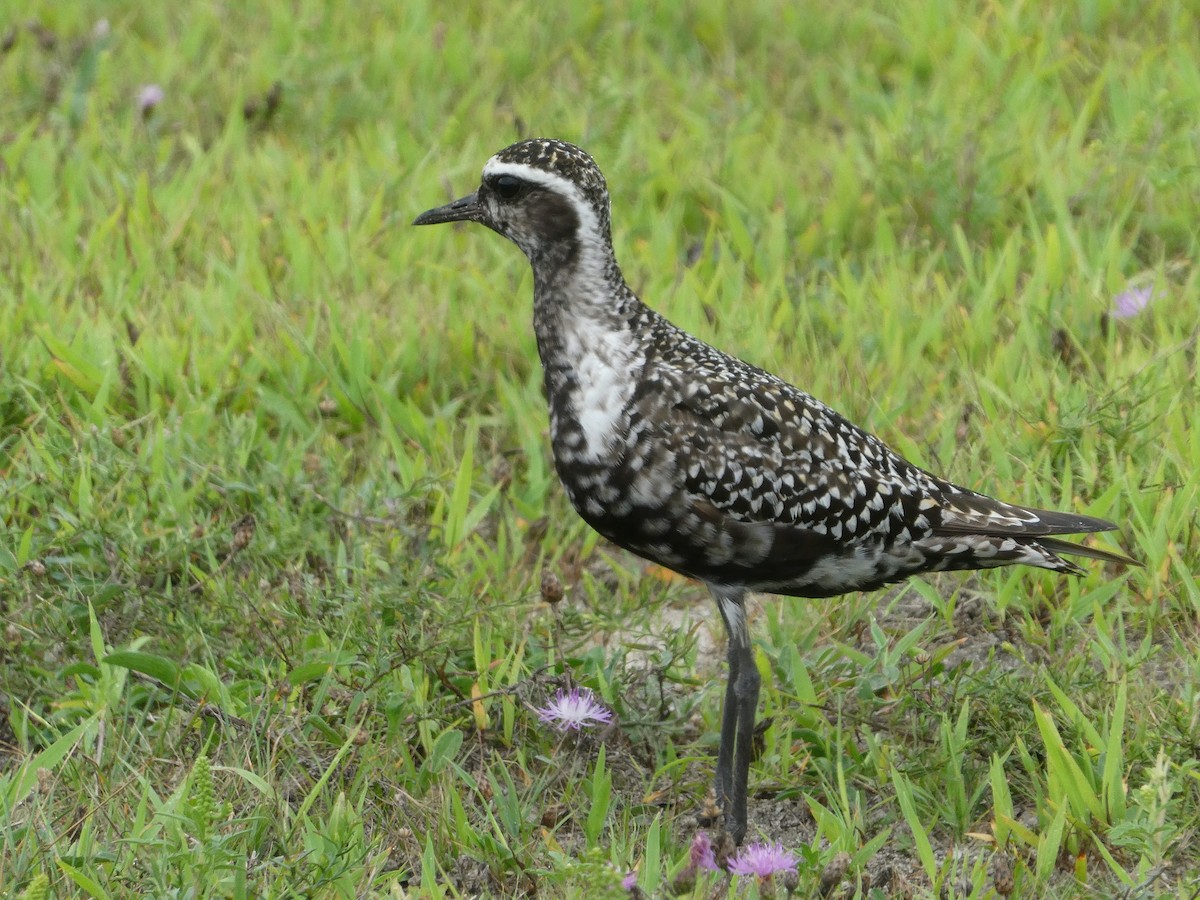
710, 466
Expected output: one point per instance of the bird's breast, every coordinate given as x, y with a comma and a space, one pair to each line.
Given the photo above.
590, 380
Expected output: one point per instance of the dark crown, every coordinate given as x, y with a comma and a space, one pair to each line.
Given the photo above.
568, 162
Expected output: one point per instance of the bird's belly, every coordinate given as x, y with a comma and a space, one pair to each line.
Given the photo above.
862, 566
693, 547
641, 504
641, 509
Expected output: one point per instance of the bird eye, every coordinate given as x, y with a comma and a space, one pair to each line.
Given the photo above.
507, 187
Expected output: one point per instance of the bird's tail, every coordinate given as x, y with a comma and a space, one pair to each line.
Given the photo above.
1055, 545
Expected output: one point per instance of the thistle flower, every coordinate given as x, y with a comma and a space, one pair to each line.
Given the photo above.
148, 97
574, 710
629, 882
1129, 303
701, 855
762, 860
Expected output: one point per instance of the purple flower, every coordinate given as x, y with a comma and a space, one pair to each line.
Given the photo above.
702, 856
148, 97
762, 860
629, 882
1129, 303
574, 710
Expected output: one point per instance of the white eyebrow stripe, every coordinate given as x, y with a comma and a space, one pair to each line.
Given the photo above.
549, 180
528, 173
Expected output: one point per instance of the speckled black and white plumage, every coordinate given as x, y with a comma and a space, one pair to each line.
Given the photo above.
706, 464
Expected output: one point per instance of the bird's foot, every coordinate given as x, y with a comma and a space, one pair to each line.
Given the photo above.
724, 846
717, 815
735, 831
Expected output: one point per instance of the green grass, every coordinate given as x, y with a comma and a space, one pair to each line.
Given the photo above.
919, 212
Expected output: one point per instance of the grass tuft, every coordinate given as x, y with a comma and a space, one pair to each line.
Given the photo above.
285, 570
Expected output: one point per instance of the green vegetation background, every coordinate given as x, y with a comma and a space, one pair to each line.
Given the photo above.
277, 504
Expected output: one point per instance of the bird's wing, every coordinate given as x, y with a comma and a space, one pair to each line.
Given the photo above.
759, 450
762, 450
966, 512
969, 513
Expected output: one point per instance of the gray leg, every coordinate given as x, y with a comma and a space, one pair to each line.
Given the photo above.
729, 714
737, 719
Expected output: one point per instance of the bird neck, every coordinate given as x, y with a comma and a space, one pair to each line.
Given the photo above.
581, 298
590, 295
590, 356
